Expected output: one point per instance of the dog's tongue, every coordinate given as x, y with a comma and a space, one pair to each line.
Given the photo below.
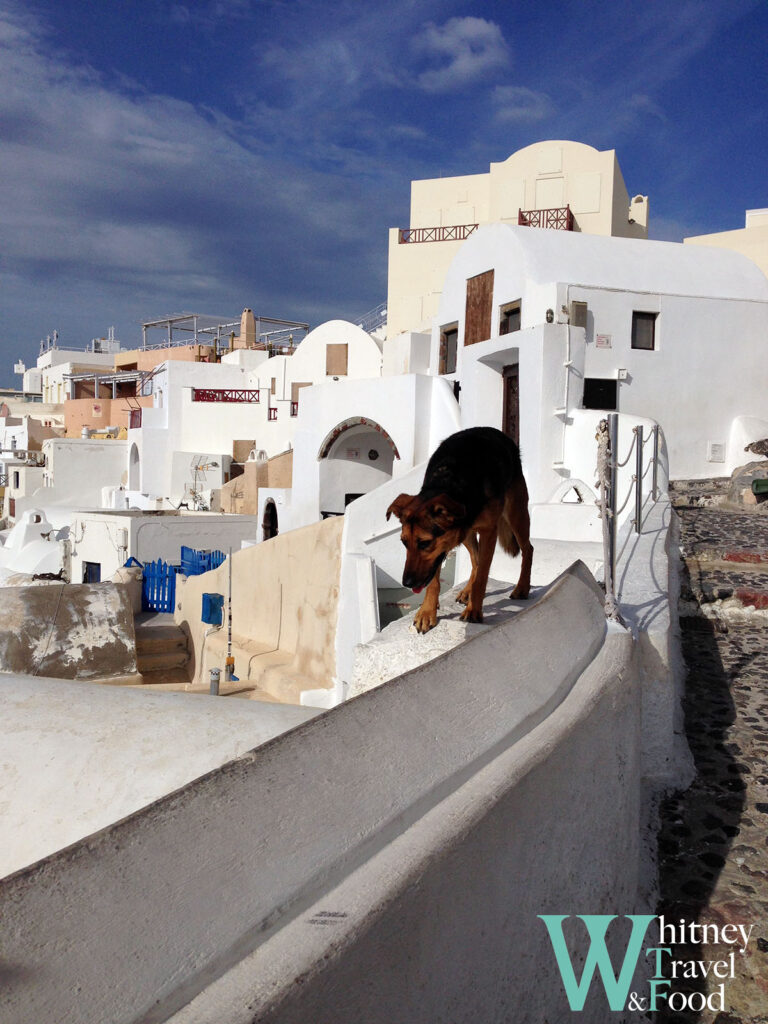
417, 590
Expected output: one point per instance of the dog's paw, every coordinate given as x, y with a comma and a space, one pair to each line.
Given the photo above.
471, 615
463, 597
519, 593
425, 620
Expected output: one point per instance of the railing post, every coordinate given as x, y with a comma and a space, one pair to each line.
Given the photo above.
613, 439
655, 485
639, 478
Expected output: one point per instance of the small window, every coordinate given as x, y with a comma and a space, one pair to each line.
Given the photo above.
449, 343
600, 393
91, 572
16, 478
509, 318
272, 413
644, 330
273, 386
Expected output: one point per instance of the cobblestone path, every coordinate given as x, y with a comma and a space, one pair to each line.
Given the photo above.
713, 843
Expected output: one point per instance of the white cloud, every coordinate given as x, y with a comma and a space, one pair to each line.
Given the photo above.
474, 47
516, 103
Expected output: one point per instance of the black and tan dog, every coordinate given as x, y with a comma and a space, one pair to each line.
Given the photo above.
473, 492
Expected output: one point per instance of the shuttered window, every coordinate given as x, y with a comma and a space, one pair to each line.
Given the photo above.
479, 310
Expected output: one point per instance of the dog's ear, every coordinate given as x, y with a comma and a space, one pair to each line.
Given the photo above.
446, 511
398, 506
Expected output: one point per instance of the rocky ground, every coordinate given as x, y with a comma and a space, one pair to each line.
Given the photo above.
713, 844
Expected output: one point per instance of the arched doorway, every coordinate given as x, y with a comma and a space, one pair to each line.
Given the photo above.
269, 521
356, 457
134, 465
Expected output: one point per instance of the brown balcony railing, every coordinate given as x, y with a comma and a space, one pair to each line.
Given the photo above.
559, 218
224, 395
455, 233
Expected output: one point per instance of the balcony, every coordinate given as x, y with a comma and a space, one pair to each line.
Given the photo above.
560, 218
455, 233
224, 395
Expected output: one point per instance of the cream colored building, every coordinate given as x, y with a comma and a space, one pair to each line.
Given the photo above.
549, 184
750, 241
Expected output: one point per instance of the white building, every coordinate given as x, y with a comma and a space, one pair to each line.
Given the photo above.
548, 184
751, 240
655, 329
101, 542
201, 409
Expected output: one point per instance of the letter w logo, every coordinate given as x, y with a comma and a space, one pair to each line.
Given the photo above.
616, 989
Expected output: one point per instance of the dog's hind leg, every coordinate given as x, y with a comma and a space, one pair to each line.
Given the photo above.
426, 617
470, 543
519, 524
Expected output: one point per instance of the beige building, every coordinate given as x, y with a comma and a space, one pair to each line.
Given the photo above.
557, 184
750, 241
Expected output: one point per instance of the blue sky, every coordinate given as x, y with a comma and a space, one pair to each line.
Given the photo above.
159, 156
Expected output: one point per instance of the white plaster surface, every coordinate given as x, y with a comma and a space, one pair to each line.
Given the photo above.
400, 648
76, 757
202, 877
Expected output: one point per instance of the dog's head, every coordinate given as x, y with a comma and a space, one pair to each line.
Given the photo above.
431, 528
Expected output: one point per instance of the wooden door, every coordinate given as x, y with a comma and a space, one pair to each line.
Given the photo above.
511, 417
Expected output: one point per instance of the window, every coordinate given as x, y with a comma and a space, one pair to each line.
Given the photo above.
600, 393
449, 343
578, 314
509, 318
336, 358
644, 330
16, 479
273, 386
272, 413
479, 308
91, 572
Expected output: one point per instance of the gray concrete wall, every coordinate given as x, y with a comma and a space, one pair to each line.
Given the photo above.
437, 814
66, 631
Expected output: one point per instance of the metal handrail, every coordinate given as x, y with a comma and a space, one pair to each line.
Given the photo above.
608, 466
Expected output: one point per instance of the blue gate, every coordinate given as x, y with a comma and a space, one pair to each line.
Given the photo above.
194, 562
158, 588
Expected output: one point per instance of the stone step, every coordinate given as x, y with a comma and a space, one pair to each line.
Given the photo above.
156, 639
162, 661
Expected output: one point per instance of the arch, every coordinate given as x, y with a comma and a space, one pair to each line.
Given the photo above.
355, 458
269, 521
134, 465
354, 421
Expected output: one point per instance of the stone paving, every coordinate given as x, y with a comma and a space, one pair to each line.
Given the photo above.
713, 843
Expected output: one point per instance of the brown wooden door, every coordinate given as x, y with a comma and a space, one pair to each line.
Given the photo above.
479, 308
511, 419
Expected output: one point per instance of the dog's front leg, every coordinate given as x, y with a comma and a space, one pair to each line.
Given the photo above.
426, 617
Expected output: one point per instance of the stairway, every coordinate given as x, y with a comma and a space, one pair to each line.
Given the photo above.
161, 651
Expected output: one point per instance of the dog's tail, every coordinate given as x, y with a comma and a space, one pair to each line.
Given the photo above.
507, 539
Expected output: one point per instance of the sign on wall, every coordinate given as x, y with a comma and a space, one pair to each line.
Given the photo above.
603, 341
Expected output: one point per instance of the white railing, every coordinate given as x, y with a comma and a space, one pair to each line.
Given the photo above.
373, 319
608, 466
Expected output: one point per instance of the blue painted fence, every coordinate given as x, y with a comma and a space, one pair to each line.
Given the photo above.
158, 588
194, 563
